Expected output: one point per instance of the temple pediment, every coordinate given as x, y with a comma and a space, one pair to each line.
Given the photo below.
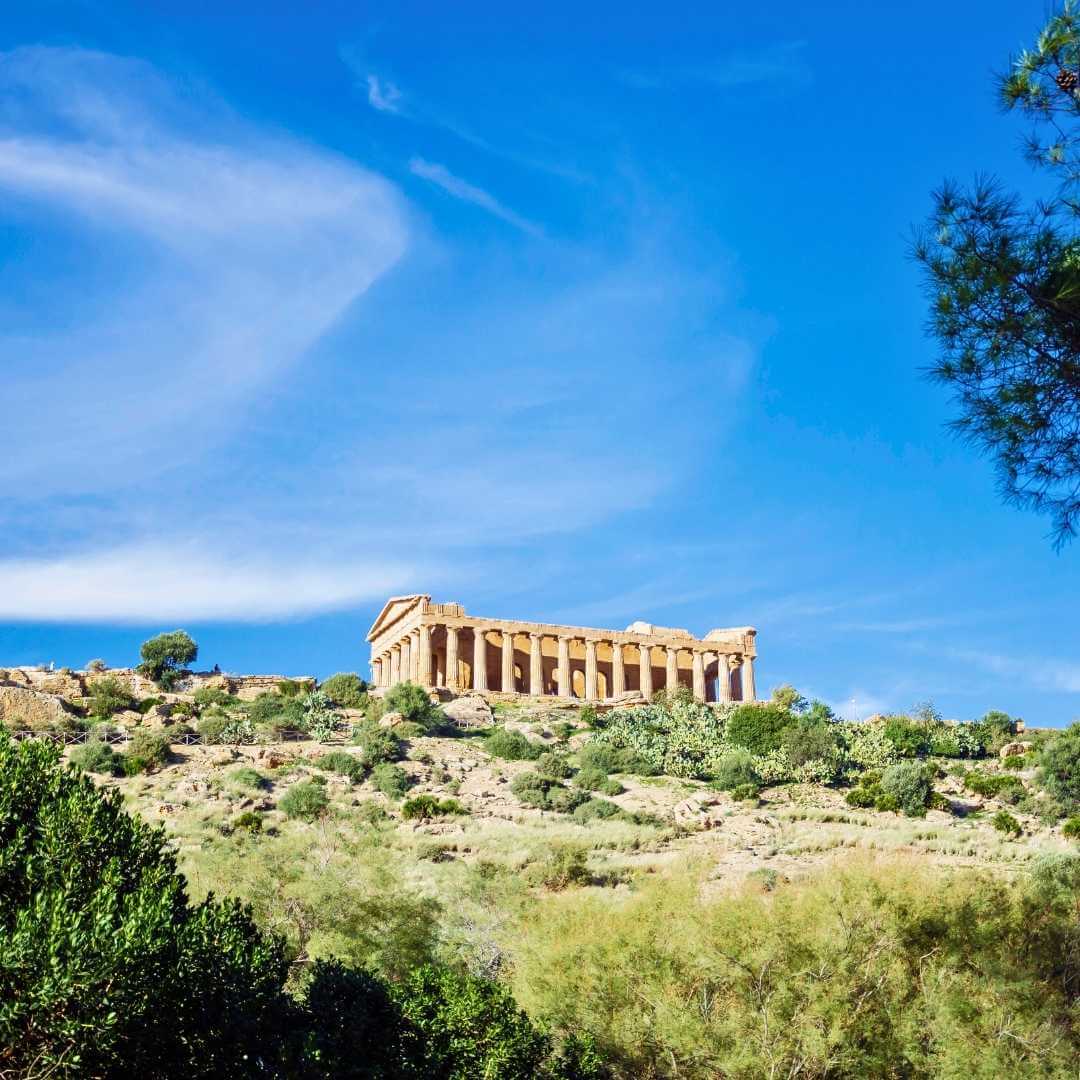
395, 609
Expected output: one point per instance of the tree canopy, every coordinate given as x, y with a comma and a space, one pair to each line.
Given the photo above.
1003, 280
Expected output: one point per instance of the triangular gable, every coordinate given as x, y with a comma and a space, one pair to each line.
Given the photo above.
395, 608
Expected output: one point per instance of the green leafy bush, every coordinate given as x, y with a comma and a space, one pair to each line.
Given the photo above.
207, 697
1059, 767
338, 761
305, 800
99, 943
1004, 822
346, 689
248, 778
613, 759
910, 737
590, 717
532, 788
511, 746
745, 792
594, 809
590, 779
758, 728
735, 769
426, 807
809, 740
611, 787
1008, 788
249, 821
391, 780
910, 784
553, 764
165, 656
377, 744
291, 688
565, 865
144, 705
225, 728
1071, 828
96, 757
415, 704
106, 696
565, 800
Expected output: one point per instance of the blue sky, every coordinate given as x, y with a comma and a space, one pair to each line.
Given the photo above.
583, 313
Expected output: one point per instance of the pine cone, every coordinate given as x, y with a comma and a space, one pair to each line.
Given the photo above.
1067, 80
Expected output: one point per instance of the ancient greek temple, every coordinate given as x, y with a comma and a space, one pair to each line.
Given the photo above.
439, 645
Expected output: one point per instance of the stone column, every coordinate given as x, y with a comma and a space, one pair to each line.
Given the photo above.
618, 671
536, 665
395, 665
698, 664
645, 670
386, 668
376, 672
723, 671
452, 675
590, 670
424, 647
479, 659
749, 690
405, 670
672, 680
414, 655
508, 686
564, 667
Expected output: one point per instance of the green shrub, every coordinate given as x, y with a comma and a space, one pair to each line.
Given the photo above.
911, 738
165, 656
207, 697
611, 786
565, 800
909, 783
225, 728
107, 696
531, 788
425, 807
96, 757
291, 688
346, 689
564, 865
596, 808
758, 728
1018, 762
415, 704
511, 746
937, 801
99, 943
735, 769
305, 800
1004, 822
589, 716
553, 764
145, 704
612, 759
745, 792
391, 780
863, 798
590, 779
1071, 828
249, 821
995, 785
248, 778
133, 765
338, 761
809, 740
682, 738
377, 744
1059, 767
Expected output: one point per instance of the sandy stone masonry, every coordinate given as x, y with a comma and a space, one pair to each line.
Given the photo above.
439, 645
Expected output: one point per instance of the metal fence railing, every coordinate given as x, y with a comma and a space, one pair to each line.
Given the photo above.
187, 738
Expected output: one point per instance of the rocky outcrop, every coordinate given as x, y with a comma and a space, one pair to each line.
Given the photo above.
469, 711
702, 811
1014, 749
22, 707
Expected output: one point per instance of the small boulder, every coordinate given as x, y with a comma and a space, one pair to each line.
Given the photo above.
469, 711
1014, 749
391, 719
704, 811
627, 700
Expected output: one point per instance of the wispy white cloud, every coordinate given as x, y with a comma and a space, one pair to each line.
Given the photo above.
249, 246
1038, 672
453, 185
164, 582
780, 65
383, 96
